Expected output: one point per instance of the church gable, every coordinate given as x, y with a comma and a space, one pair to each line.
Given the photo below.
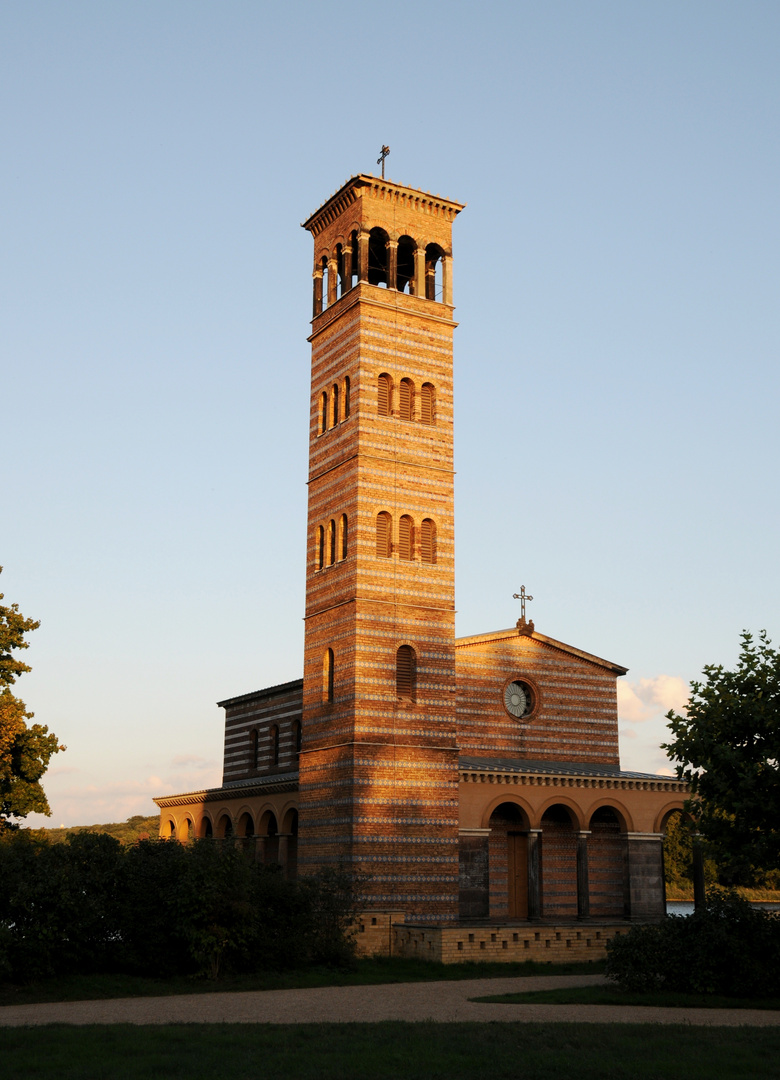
531, 697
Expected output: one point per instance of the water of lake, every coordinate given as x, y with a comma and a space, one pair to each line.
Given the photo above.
685, 907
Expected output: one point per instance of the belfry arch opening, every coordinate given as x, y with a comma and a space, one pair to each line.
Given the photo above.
405, 265
434, 276
378, 257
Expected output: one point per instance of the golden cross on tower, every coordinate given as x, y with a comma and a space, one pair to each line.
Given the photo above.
381, 159
523, 626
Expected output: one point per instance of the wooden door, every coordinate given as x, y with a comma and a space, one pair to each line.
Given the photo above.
517, 860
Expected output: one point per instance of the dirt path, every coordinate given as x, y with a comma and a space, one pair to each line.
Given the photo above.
440, 1001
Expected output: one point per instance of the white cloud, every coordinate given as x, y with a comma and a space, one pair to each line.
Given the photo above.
642, 708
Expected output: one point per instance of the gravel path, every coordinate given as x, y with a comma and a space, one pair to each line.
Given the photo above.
441, 1001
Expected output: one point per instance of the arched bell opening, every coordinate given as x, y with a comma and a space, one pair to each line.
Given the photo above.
405, 265
607, 863
559, 863
508, 862
378, 258
434, 280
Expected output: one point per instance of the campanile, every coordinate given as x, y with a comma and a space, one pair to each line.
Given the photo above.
379, 760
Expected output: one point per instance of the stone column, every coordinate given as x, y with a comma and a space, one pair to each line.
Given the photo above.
392, 264
583, 885
362, 256
346, 257
645, 876
534, 874
419, 271
317, 283
333, 280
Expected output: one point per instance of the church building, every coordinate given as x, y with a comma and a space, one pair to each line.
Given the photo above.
463, 779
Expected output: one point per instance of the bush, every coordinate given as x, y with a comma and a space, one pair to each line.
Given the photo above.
160, 908
726, 947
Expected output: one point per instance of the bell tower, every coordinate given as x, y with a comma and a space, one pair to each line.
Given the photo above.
379, 761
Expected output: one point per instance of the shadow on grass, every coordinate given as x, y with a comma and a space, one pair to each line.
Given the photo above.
610, 995
366, 972
387, 1051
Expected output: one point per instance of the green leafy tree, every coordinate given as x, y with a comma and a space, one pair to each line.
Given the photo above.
727, 747
25, 750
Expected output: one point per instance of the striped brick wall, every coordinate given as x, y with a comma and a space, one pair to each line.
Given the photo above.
378, 777
575, 718
277, 705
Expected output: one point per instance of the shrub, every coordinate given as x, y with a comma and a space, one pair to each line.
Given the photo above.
726, 947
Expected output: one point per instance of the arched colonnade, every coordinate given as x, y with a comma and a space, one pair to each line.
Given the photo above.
269, 834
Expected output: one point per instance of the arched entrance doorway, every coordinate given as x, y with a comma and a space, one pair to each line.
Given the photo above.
509, 862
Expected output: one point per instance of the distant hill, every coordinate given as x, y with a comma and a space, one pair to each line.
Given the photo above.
127, 832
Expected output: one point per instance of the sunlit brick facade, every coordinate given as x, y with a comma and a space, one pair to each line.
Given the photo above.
472, 778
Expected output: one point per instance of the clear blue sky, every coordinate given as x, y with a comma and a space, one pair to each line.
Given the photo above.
616, 282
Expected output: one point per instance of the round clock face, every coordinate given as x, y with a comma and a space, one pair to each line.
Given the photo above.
518, 699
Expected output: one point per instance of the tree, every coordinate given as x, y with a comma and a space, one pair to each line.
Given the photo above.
25, 751
728, 750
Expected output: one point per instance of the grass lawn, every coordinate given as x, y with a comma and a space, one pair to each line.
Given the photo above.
366, 972
389, 1051
610, 995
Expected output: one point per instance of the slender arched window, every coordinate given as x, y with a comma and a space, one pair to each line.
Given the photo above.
274, 744
406, 399
384, 535
331, 542
344, 536
323, 412
384, 395
335, 396
428, 404
253, 755
320, 547
406, 673
428, 541
327, 676
406, 538
346, 396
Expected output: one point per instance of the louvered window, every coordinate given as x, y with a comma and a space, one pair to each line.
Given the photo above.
335, 396
427, 404
384, 396
406, 538
406, 673
320, 547
327, 676
323, 413
344, 536
406, 399
428, 541
384, 526
331, 542
346, 396
275, 744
